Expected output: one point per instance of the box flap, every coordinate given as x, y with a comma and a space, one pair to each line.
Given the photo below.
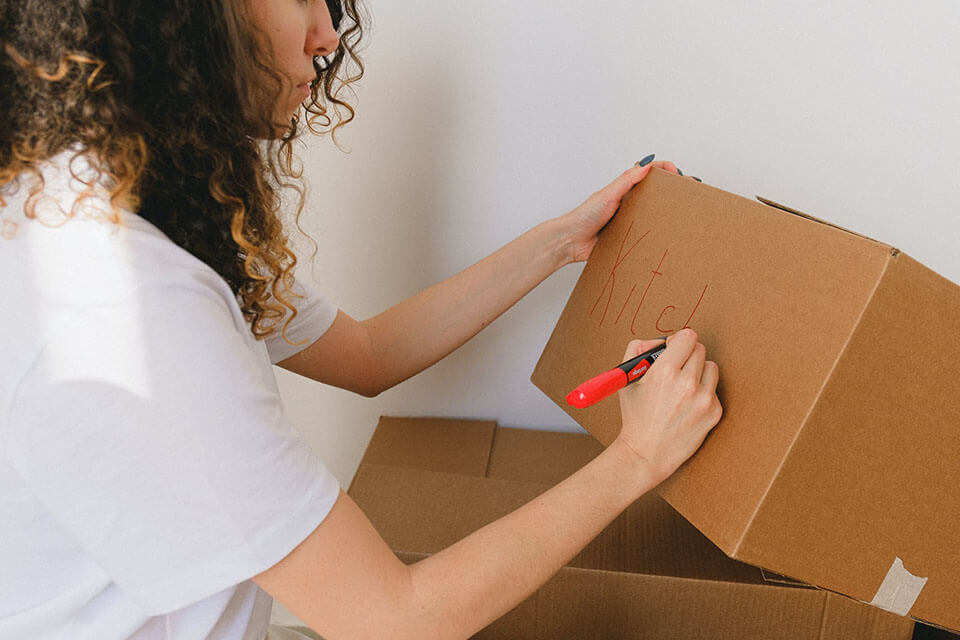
845, 619
873, 474
774, 298
600, 605
437, 444
650, 537
585, 603
546, 457
771, 577
797, 212
425, 511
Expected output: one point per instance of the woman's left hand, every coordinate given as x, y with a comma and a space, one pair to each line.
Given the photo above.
584, 222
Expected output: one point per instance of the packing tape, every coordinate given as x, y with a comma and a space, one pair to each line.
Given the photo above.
899, 590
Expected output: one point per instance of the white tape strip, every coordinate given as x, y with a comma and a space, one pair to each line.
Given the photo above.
899, 590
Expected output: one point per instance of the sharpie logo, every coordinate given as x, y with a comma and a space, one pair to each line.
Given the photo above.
643, 366
638, 370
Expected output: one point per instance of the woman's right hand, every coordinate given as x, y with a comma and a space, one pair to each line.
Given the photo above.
668, 413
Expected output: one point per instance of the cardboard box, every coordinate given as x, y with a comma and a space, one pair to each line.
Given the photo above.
837, 456
427, 483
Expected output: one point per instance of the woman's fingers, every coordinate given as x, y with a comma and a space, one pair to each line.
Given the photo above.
679, 348
694, 364
666, 165
630, 177
636, 347
711, 376
635, 174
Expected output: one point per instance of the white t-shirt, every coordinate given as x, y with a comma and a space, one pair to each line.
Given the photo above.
147, 471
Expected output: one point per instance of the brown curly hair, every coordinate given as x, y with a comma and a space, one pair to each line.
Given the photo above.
170, 103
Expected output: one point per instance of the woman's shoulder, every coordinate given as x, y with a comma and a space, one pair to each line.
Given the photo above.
69, 244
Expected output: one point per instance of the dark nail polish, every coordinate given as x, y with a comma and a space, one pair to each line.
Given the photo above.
678, 171
647, 160
696, 178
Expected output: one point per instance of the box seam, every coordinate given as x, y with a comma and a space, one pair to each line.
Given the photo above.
823, 615
891, 256
812, 218
493, 441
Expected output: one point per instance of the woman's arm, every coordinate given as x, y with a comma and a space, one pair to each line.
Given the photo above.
371, 356
345, 582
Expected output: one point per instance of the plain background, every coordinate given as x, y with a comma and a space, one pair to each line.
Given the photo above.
478, 120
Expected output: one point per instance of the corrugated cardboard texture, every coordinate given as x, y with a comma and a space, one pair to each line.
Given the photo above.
580, 604
873, 475
649, 575
840, 378
773, 296
454, 446
528, 456
416, 510
601, 605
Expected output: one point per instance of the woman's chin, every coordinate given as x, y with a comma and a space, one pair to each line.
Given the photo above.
280, 128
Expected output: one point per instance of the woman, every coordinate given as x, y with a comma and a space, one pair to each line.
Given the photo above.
150, 485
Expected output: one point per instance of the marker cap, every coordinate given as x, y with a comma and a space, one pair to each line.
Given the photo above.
597, 388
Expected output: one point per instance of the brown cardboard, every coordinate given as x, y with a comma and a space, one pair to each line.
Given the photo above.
840, 383
649, 575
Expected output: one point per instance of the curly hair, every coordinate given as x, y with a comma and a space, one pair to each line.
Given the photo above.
171, 105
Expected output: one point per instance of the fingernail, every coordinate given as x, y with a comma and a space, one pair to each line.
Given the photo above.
646, 161
696, 178
678, 171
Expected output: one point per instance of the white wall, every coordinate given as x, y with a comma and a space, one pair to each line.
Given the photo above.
480, 119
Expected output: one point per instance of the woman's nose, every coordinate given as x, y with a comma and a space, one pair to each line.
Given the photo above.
322, 37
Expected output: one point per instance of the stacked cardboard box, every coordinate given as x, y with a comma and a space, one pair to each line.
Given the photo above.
426, 483
836, 461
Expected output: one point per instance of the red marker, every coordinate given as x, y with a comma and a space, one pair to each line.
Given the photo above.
596, 389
